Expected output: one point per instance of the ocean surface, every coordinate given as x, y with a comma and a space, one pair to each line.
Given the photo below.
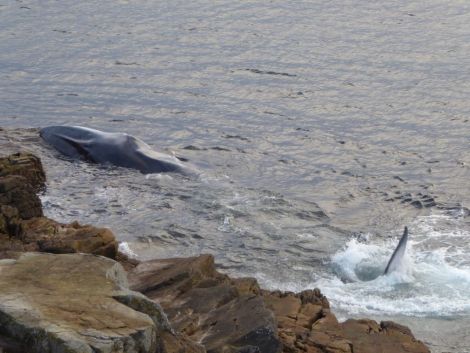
319, 129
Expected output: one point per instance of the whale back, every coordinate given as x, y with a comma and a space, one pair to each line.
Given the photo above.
119, 149
398, 254
71, 141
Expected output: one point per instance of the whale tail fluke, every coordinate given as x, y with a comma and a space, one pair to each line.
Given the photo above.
398, 254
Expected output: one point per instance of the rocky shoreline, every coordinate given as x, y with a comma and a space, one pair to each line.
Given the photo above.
66, 288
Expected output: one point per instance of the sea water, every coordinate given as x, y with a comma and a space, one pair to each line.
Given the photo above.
320, 129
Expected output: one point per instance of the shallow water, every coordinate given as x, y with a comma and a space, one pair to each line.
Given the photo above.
320, 130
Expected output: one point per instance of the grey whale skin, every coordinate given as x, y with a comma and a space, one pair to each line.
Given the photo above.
398, 254
119, 149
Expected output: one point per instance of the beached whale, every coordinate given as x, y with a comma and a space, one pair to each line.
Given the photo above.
119, 149
398, 254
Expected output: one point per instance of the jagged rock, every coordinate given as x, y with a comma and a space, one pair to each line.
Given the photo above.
22, 227
15, 191
76, 303
54, 237
21, 177
222, 314
369, 337
26, 165
234, 315
306, 324
45, 235
169, 275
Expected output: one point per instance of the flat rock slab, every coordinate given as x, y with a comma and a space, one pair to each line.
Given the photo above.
75, 303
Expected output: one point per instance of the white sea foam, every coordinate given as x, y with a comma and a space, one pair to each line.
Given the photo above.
159, 176
428, 283
126, 250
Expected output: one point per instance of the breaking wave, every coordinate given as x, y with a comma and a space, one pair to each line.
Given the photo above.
435, 268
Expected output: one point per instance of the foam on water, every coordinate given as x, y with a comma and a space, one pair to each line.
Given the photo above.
126, 250
434, 270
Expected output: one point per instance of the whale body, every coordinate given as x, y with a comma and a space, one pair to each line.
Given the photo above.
398, 254
118, 149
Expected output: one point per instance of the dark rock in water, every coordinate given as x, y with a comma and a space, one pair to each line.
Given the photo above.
418, 200
454, 209
416, 204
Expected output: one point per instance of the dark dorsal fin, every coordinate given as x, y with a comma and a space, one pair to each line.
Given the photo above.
397, 255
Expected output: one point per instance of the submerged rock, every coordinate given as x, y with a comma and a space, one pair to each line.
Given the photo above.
66, 303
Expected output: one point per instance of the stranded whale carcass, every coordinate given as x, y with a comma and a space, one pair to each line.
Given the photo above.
398, 254
119, 149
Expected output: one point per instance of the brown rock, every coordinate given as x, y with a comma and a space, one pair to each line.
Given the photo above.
246, 285
10, 219
306, 324
224, 315
288, 305
242, 323
50, 236
392, 328
22, 227
21, 177
368, 337
329, 342
26, 165
15, 191
174, 276
178, 343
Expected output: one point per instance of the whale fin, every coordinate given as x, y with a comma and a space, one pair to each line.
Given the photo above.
398, 254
